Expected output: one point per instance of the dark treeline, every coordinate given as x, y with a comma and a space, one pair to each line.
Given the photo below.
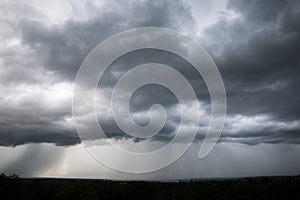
13, 187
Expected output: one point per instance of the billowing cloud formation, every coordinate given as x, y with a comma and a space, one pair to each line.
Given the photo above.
40, 59
254, 43
257, 51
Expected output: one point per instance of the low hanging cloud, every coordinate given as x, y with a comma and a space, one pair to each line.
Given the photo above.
257, 52
255, 45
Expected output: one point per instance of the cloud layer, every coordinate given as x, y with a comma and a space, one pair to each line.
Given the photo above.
255, 45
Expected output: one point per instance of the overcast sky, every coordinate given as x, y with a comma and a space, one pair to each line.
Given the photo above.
254, 43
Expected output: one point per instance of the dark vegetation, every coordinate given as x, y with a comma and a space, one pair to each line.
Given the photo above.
13, 187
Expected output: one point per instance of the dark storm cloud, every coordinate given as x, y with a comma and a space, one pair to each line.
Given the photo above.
259, 57
258, 54
254, 43
52, 53
63, 48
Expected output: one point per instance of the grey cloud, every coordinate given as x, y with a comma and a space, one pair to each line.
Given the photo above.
257, 50
257, 53
46, 54
63, 48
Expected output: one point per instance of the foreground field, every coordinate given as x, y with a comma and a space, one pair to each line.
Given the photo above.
247, 188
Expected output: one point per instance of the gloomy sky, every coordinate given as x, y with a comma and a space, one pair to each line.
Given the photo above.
254, 43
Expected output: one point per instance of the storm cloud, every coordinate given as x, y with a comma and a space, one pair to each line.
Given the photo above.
255, 45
